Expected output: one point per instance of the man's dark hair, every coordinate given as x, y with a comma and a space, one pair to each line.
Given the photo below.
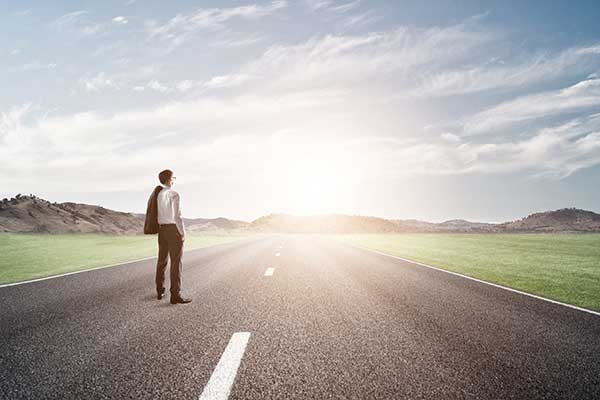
164, 176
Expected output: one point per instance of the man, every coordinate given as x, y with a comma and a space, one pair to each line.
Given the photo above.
171, 235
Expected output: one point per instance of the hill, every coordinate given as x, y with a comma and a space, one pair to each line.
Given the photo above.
335, 223
339, 223
563, 220
34, 214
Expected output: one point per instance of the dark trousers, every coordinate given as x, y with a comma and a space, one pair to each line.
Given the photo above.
170, 246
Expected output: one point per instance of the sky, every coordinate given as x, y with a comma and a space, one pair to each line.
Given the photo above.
486, 111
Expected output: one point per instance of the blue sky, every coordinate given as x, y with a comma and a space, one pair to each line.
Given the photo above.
486, 111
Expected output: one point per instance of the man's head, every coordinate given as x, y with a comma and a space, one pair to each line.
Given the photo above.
166, 177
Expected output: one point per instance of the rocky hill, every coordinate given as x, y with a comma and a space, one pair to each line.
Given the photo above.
34, 214
563, 220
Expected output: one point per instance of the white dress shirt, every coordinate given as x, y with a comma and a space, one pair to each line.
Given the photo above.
169, 210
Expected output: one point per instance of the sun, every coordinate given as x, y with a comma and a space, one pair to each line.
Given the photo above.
314, 186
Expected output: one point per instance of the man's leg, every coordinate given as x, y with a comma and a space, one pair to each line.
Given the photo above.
175, 254
161, 264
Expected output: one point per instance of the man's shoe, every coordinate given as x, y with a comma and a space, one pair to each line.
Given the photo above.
160, 295
180, 300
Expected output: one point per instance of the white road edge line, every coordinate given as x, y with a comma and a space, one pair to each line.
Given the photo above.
477, 280
269, 271
220, 383
102, 266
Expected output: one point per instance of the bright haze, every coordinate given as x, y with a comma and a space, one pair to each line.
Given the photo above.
476, 110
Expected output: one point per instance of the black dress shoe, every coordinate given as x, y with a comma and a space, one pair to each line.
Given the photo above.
160, 295
180, 300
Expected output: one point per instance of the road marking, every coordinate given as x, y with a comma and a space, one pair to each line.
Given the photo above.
269, 271
113, 265
277, 254
220, 383
476, 280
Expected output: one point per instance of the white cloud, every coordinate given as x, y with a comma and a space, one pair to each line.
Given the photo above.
184, 86
231, 42
118, 48
360, 20
345, 7
316, 5
224, 81
450, 137
99, 82
388, 60
580, 96
10, 122
68, 19
130, 78
330, 5
37, 66
418, 62
157, 86
120, 20
180, 27
80, 22
554, 152
499, 74
91, 29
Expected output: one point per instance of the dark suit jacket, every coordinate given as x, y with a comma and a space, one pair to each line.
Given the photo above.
151, 221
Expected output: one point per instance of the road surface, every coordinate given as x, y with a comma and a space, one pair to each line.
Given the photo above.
290, 317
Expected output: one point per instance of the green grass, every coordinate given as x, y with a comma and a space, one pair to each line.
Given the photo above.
563, 267
25, 256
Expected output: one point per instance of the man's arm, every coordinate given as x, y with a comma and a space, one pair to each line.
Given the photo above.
178, 219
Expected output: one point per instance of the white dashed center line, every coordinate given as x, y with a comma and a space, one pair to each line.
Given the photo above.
269, 271
221, 381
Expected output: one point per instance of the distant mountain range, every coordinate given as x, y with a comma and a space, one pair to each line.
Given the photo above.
33, 214
563, 220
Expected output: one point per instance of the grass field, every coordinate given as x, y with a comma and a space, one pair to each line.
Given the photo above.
26, 256
563, 267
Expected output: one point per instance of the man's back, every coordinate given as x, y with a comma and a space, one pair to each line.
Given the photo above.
169, 209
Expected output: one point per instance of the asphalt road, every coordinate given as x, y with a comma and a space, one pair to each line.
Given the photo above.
331, 322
